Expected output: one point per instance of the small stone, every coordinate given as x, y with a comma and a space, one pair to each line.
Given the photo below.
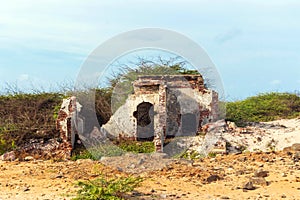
283, 196
213, 178
259, 181
243, 159
261, 173
284, 175
224, 197
239, 172
9, 156
249, 186
163, 196
103, 158
140, 161
296, 147
59, 176
26, 189
119, 169
132, 166
296, 157
29, 158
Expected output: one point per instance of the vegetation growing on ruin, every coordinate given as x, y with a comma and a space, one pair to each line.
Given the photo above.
137, 147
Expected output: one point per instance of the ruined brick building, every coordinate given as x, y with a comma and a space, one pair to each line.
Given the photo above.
164, 106
159, 107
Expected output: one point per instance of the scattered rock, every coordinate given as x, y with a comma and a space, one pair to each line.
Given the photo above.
296, 157
295, 147
259, 181
9, 156
224, 197
261, 173
213, 178
240, 172
29, 158
140, 161
243, 159
59, 175
26, 189
283, 196
249, 186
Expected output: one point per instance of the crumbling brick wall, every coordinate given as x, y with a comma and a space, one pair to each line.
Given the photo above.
176, 100
67, 123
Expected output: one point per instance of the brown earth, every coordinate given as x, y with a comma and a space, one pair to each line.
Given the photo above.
222, 177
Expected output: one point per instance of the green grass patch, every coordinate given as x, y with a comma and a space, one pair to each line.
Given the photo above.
81, 153
189, 155
117, 148
137, 146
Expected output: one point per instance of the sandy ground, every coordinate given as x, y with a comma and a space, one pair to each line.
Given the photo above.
179, 180
223, 177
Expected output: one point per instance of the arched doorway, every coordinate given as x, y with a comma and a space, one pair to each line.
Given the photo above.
145, 121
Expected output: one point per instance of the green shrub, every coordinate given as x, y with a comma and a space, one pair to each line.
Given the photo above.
137, 147
81, 154
6, 145
264, 107
212, 154
106, 189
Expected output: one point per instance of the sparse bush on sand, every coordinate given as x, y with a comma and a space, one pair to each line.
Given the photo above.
106, 189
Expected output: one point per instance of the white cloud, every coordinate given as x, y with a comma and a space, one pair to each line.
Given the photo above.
275, 82
23, 77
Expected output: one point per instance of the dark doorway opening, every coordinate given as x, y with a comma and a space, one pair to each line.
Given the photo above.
145, 121
173, 114
189, 125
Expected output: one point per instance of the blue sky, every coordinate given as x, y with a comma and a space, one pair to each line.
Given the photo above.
254, 44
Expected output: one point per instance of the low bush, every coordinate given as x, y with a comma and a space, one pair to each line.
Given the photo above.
106, 189
264, 107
